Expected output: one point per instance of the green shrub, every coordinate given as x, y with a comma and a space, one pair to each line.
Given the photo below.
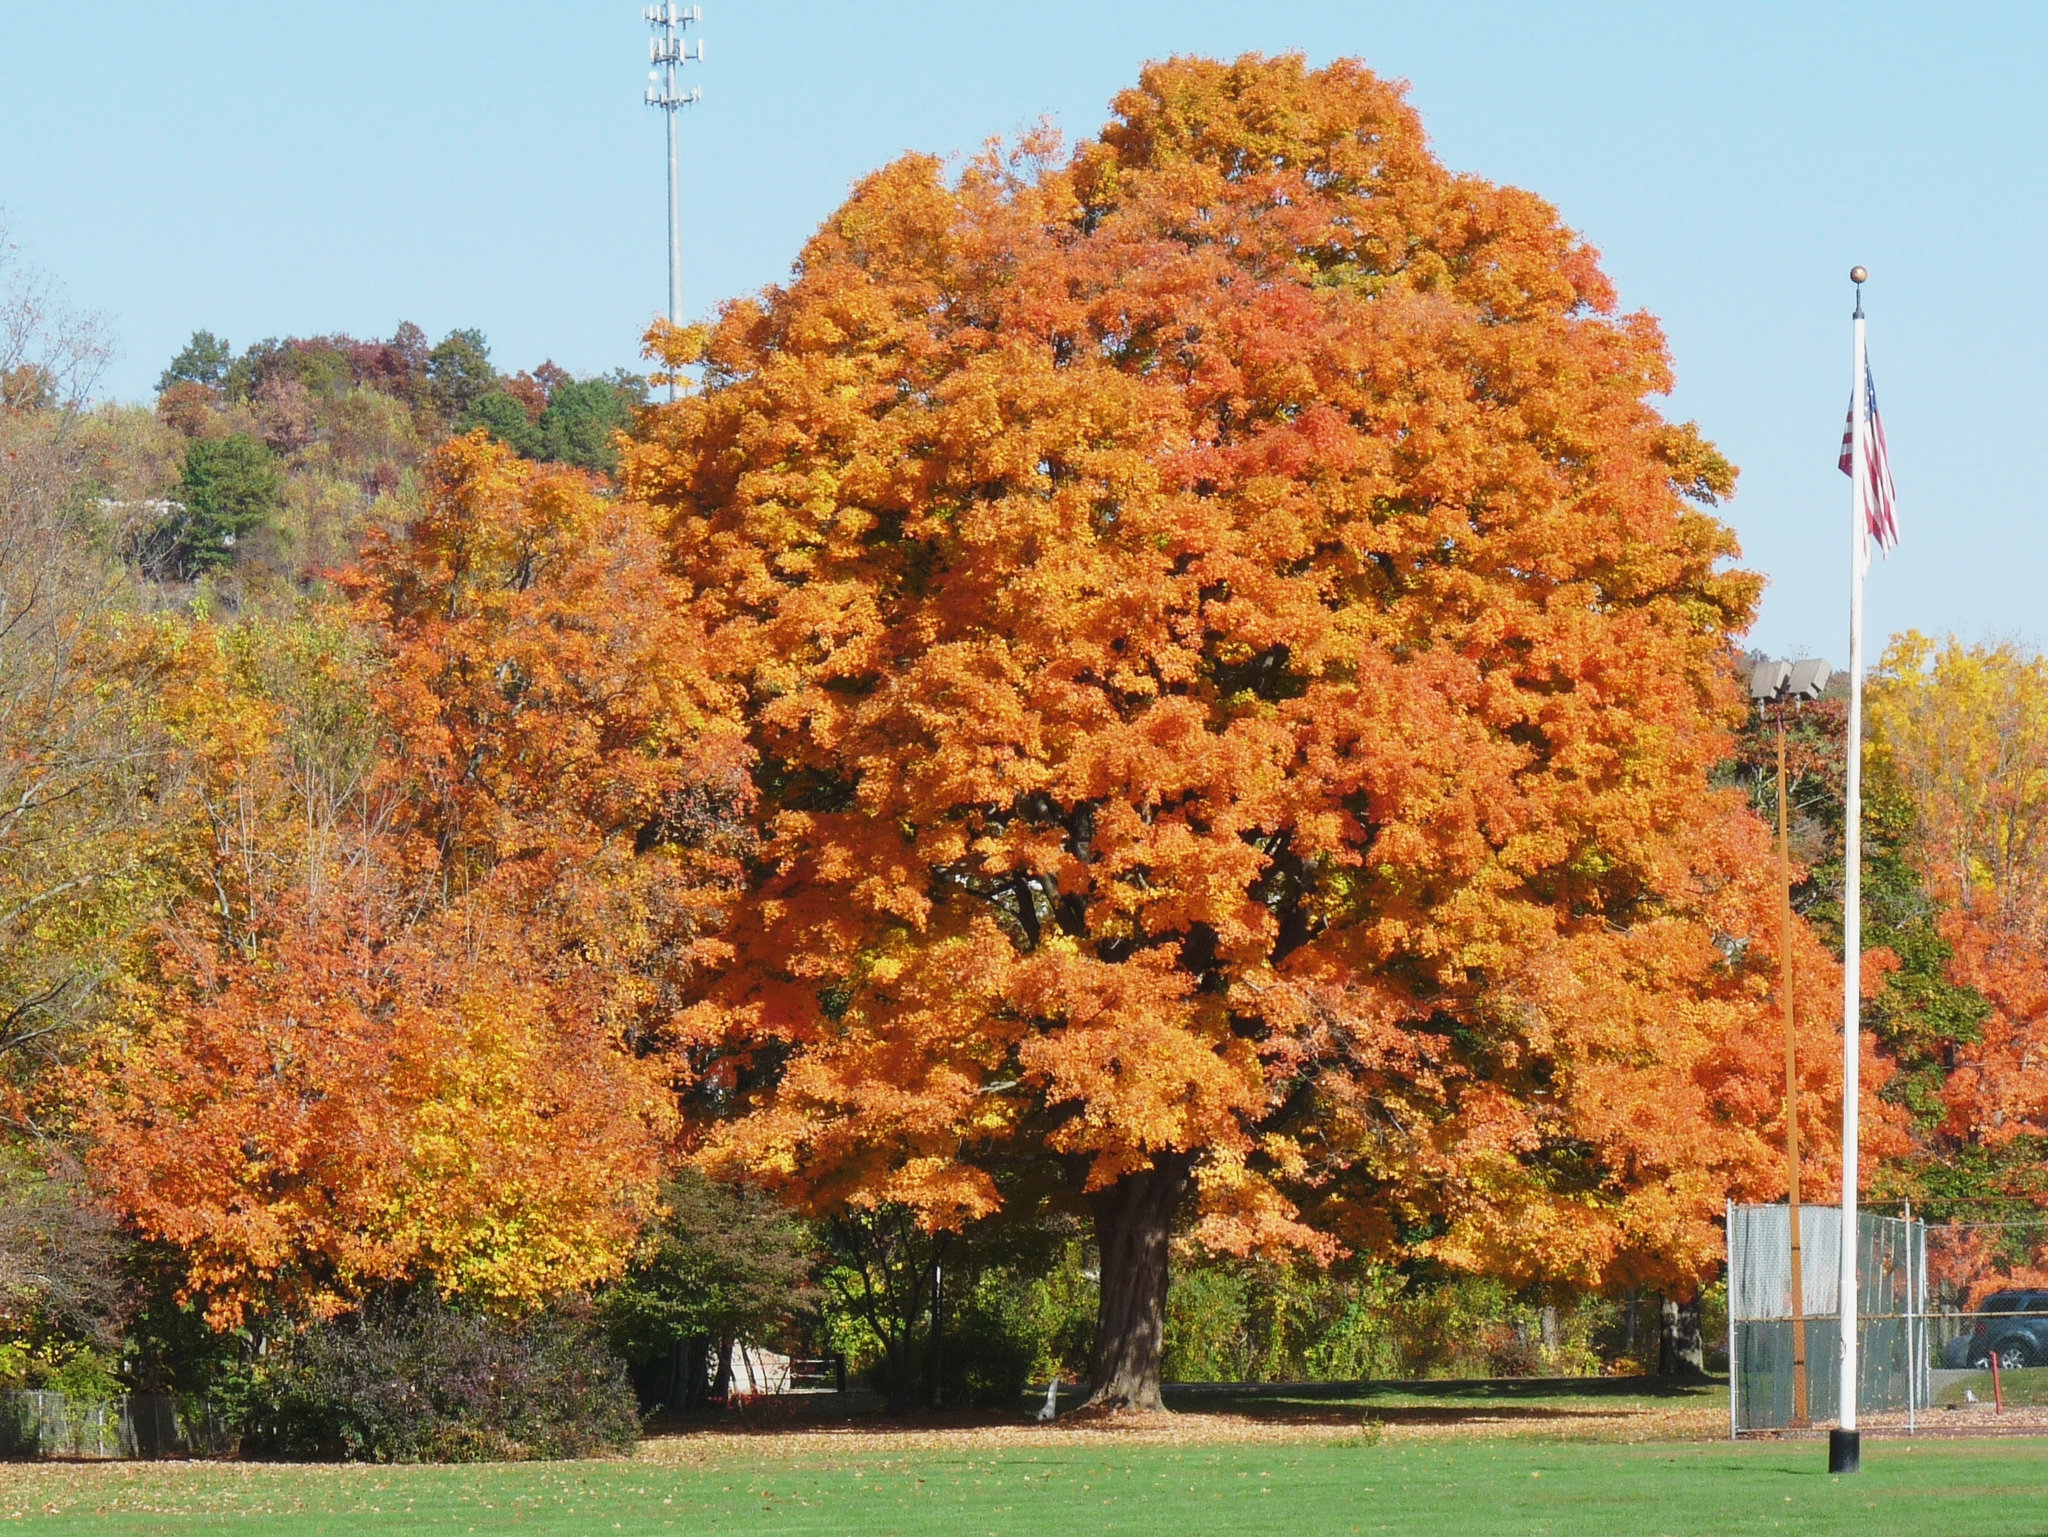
1015, 1307
724, 1263
1714, 1323
1475, 1327
1358, 1343
83, 1374
1057, 1314
989, 1348
1208, 1319
985, 1355
1256, 1321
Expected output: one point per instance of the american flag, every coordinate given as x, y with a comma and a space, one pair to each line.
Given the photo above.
1880, 500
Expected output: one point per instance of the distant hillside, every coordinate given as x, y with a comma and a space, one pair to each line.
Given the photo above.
258, 470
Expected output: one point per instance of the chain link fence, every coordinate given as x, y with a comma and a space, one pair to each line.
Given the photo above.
44, 1424
1987, 1323
1767, 1331
1952, 1322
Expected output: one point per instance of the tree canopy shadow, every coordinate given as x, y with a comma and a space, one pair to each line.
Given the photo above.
1447, 1402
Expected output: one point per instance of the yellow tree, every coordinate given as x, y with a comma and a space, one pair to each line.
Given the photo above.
1964, 731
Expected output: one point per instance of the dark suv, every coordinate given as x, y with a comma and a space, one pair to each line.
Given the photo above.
2014, 1327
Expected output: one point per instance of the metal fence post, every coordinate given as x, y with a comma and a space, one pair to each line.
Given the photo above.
1734, 1367
1912, 1328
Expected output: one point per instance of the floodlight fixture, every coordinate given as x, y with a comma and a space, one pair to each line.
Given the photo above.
1808, 679
1772, 681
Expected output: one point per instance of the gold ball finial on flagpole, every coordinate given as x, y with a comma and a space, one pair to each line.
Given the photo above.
1859, 275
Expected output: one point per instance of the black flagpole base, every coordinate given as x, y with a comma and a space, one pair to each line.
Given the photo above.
1845, 1451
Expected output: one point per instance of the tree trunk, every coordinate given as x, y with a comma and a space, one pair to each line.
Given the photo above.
938, 1335
676, 1395
1681, 1352
1133, 1226
721, 1385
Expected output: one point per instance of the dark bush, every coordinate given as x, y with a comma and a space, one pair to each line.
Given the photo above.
421, 1382
985, 1357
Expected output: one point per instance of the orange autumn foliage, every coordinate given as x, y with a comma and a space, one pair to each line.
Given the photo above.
1998, 1088
406, 1028
341, 1110
557, 738
1235, 657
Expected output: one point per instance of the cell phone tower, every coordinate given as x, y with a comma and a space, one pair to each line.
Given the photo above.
668, 52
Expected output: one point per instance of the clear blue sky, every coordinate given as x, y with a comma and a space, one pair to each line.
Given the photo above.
273, 168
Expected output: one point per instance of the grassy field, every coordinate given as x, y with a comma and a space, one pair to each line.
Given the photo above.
1451, 1459
1478, 1487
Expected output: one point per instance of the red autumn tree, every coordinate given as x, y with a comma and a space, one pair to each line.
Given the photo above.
1234, 656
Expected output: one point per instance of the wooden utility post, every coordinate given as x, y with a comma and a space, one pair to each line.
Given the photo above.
1800, 1402
1773, 682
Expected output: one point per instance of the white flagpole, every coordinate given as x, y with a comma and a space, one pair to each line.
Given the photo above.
1844, 1452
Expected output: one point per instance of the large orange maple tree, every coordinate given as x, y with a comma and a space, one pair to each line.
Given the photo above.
1234, 655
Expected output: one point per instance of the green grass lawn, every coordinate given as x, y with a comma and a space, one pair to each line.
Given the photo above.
1930, 1489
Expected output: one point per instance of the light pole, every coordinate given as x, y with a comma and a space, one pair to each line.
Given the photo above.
1775, 682
668, 52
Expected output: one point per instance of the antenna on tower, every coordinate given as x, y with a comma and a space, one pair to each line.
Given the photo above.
668, 51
